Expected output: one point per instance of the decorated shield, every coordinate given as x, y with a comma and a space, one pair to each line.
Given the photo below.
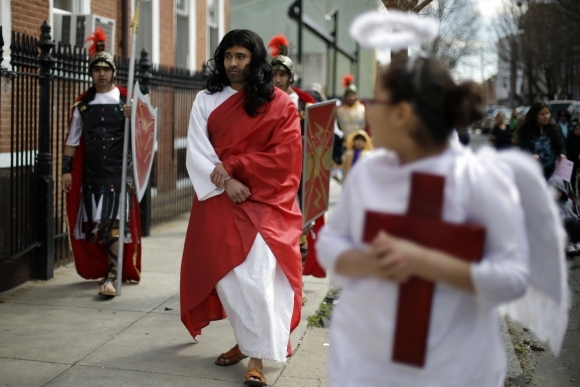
143, 139
318, 139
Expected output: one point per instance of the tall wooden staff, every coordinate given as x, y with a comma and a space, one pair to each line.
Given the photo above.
122, 209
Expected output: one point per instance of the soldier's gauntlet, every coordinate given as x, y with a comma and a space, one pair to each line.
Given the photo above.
67, 162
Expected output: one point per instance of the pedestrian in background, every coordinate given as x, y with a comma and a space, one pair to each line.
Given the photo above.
501, 134
563, 121
569, 218
351, 114
539, 136
514, 119
358, 145
514, 122
573, 152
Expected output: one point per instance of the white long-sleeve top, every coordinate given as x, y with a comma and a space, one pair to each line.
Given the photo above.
76, 126
201, 157
464, 344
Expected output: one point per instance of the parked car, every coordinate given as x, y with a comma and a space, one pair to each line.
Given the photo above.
522, 110
574, 110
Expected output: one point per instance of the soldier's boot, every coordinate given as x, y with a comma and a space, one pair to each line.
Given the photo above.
109, 284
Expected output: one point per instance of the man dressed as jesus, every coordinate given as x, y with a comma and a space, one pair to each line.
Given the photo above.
241, 257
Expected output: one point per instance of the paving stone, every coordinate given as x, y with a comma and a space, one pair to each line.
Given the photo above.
56, 333
68, 289
99, 377
18, 373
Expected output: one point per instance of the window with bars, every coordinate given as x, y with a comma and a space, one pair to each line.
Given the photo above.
182, 38
65, 5
145, 31
213, 25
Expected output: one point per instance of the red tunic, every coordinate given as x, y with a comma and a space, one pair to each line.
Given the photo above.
91, 259
264, 153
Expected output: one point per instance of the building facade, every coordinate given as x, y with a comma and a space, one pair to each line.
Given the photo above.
176, 33
269, 18
179, 36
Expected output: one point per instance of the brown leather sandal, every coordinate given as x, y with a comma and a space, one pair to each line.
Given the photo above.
258, 378
231, 357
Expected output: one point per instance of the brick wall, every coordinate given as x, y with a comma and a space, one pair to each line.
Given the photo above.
28, 15
5, 118
201, 34
167, 31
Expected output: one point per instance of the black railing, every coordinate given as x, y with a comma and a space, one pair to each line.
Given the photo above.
24, 116
172, 91
49, 78
70, 79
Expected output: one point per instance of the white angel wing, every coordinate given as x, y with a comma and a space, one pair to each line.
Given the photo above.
544, 307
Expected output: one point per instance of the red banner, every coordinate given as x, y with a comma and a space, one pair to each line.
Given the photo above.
318, 140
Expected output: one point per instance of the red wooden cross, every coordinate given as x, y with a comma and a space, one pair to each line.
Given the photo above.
422, 225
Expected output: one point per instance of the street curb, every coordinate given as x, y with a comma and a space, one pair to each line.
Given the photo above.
515, 374
299, 353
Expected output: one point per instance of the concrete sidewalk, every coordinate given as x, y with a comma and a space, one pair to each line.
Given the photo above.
60, 333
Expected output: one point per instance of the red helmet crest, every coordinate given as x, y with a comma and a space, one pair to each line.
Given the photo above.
347, 80
279, 45
99, 41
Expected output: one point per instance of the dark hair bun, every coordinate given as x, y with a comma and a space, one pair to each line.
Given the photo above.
466, 104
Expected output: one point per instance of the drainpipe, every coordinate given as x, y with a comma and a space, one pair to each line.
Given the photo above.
125, 16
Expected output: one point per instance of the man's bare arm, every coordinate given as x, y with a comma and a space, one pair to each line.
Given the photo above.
69, 152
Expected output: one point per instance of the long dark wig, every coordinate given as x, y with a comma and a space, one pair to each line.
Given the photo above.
529, 129
259, 86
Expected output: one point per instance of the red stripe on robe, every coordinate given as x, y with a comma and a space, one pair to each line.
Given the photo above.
91, 259
264, 153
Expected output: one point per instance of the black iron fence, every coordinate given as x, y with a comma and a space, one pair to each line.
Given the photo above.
49, 78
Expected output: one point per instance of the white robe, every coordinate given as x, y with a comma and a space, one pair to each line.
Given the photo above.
256, 295
464, 345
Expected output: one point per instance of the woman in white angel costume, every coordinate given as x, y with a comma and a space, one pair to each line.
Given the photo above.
522, 271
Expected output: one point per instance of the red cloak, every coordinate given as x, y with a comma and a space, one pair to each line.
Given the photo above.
264, 153
91, 258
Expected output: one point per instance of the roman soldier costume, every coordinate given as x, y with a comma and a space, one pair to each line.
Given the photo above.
350, 118
281, 61
93, 201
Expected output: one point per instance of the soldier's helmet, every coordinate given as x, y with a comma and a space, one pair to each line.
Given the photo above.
348, 84
279, 51
98, 56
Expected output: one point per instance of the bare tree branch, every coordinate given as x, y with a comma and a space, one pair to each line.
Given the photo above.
536, 40
418, 8
459, 26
